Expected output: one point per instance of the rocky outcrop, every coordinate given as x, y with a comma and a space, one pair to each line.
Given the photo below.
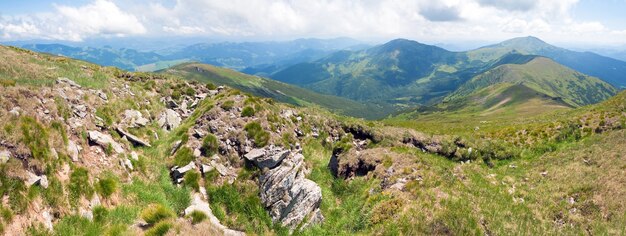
285, 192
169, 120
104, 141
69, 82
266, 158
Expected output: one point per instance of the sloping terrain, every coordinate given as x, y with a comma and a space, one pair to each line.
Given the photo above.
104, 151
544, 76
608, 69
277, 90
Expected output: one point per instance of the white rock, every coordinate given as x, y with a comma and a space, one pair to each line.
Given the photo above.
104, 140
4, 156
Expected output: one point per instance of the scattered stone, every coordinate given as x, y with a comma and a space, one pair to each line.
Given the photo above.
104, 140
47, 220
134, 139
176, 146
80, 110
197, 152
73, 150
32, 179
15, 111
134, 118
544, 174
169, 120
102, 95
87, 214
126, 163
134, 156
177, 173
43, 181
220, 168
4, 156
205, 168
71, 83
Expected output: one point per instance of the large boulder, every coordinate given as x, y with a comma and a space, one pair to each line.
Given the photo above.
104, 141
169, 120
290, 197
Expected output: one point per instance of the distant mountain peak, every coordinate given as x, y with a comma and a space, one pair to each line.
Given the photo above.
528, 42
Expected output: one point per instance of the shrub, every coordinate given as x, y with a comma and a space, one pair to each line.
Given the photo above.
100, 213
210, 145
189, 91
156, 213
79, 185
159, 229
191, 179
211, 86
256, 132
183, 156
227, 105
176, 95
197, 217
247, 112
106, 186
35, 137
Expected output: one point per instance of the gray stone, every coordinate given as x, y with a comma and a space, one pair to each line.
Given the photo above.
102, 95
269, 159
134, 118
289, 197
4, 156
134, 156
176, 146
104, 140
169, 120
80, 110
134, 139
73, 150
43, 181
66, 81
15, 111
220, 168
47, 220
32, 179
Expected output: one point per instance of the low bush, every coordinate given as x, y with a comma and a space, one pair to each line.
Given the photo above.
197, 217
227, 105
156, 213
256, 132
159, 229
79, 186
247, 112
210, 145
191, 179
107, 186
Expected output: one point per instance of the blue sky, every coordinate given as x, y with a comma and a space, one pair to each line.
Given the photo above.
583, 22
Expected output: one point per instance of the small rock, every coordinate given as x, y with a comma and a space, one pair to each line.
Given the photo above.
104, 140
134, 139
15, 111
80, 110
134, 156
176, 146
47, 220
197, 152
32, 179
43, 182
102, 95
169, 120
73, 150
4, 156
126, 163
71, 83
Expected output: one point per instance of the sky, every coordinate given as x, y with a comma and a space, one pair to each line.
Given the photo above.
574, 22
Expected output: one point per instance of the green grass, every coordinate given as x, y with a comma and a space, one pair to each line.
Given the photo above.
247, 112
238, 206
106, 186
156, 213
256, 132
197, 217
210, 145
79, 186
159, 229
183, 156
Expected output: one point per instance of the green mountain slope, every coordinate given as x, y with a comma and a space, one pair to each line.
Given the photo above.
400, 72
277, 90
544, 76
608, 69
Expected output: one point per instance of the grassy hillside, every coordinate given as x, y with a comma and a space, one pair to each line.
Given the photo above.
544, 76
277, 90
608, 69
400, 72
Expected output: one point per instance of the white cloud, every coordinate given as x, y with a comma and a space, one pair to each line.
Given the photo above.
100, 18
424, 20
